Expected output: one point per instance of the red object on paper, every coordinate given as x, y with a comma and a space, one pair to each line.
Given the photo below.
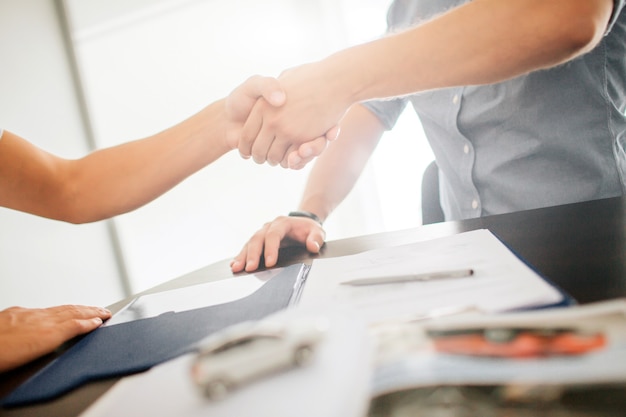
517, 343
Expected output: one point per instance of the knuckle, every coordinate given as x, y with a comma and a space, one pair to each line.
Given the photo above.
73, 309
258, 159
80, 326
254, 78
245, 141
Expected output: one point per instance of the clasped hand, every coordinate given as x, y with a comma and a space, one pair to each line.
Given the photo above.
288, 121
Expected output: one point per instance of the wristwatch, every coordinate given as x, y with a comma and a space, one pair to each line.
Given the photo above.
302, 213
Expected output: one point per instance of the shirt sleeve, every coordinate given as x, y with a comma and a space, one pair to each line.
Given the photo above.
387, 111
617, 10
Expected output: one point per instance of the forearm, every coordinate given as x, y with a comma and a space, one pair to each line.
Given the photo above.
122, 178
484, 41
336, 171
110, 181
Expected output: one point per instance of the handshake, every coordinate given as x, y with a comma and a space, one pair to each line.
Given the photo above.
287, 121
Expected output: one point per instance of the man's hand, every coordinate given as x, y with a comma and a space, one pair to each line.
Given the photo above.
26, 334
242, 99
266, 92
267, 241
313, 109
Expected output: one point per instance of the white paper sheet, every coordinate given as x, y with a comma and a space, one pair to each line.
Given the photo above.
501, 281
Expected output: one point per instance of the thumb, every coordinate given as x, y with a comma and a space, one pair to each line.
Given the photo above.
314, 242
333, 133
274, 94
267, 87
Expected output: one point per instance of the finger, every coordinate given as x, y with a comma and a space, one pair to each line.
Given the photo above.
249, 256
306, 153
267, 87
294, 161
277, 151
261, 146
242, 99
312, 149
250, 130
275, 158
271, 91
239, 262
309, 150
273, 237
333, 133
315, 240
280, 154
246, 94
76, 327
70, 312
291, 158
255, 250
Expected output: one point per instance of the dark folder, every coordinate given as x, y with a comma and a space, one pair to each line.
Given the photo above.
135, 346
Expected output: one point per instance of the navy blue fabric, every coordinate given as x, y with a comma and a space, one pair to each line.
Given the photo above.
127, 348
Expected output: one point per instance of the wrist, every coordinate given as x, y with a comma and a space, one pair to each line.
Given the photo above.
228, 136
307, 214
342, 79
355, 78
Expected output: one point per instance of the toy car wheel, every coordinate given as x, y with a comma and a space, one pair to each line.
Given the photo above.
216, 390
302, 355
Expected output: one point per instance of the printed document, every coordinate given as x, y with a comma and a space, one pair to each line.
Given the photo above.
499, 282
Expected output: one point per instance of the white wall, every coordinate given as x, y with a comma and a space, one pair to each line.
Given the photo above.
44, 262
154, 65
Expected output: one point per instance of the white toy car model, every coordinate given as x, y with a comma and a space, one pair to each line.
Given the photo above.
250, 350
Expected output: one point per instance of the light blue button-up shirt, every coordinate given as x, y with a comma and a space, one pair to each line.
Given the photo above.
551, 137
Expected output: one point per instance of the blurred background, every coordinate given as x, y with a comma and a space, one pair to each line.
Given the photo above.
76, 75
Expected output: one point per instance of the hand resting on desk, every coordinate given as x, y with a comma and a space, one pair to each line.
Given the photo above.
282, 231
26, 334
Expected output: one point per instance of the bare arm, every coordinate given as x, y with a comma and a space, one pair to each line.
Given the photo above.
109, 181
483, 41
119, 179
337, 170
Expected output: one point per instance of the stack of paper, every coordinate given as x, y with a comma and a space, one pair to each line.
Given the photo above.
500, 281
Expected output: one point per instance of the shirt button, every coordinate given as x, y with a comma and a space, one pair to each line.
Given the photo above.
455, 99
474, 204
466, 149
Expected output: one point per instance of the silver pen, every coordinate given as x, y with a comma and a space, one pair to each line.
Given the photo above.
427, 276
